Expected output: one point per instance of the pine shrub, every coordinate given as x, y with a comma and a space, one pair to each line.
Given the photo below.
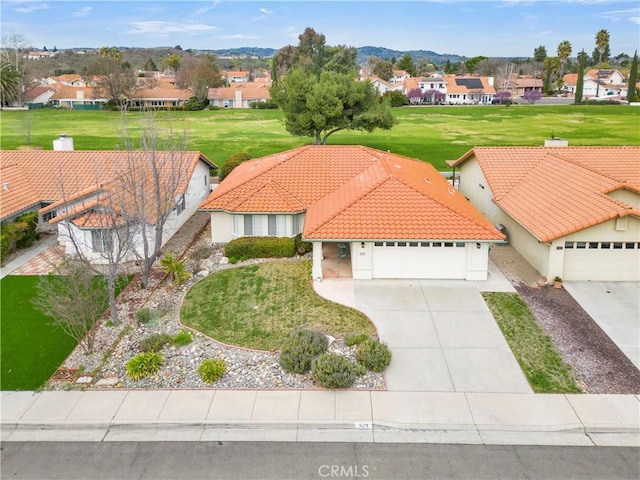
212, 369
300, 348
374, 355
144, 364
333, 371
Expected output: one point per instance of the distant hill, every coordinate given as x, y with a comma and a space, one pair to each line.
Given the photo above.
363, 54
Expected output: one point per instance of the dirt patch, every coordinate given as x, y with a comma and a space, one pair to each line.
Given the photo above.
599, 365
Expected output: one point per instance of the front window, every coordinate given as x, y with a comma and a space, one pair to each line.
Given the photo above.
100, 240
180, 204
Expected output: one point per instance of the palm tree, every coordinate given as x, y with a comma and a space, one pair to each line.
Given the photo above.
564, 52
602, 41
9, 83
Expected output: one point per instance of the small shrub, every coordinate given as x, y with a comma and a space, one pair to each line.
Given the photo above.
182, 338
333, 371
300, 348
355, 339
29, 236
232, 162
201, 253
175, 267
360, 369
300, 246
260, 247
374, 355
144, 364
212, 369
5, 246
145, 315
155, 342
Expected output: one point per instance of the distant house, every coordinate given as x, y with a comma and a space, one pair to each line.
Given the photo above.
68, 97
38, 95
74, 194
71, 79
383, 86
518, 86
606, 83
571, 212
159, 97
399, 76
39, 55
234, 76
239, 95
392, 216
456, 90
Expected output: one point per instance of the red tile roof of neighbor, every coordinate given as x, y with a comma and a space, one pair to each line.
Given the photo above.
45, 176
553, 192
353, 192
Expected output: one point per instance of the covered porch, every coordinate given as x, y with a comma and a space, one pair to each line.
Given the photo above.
336, 260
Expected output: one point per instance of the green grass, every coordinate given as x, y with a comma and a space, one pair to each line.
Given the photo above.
434, 134
540, 361
31, 348
257, 306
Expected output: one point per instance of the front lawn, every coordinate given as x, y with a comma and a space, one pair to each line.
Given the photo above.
541, 363
257, 306
32, 349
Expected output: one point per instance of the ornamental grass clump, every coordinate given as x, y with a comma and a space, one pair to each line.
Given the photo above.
333, 371
144, 364
300, 348
155, 342
374, 355
182, 338
212, 369
355, 339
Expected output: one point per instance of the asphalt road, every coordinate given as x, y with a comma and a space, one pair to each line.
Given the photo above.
267, 460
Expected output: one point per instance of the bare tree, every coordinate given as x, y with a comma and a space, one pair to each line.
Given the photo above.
155, 171
503, 75
75, 298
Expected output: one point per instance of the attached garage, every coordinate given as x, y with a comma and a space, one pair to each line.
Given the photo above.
447, 260
605, 261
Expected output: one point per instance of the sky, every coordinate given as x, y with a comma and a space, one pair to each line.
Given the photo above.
493, 28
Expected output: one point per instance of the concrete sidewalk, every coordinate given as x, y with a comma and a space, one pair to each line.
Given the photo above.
319, 415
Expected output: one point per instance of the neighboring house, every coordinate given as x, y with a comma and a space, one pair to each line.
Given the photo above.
571, 212
72, 80
239, 95
72, 190
396, 217
160, 97
39, 95
39, 55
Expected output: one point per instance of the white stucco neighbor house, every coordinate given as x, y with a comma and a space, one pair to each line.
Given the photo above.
78, 194
391, 216
571, 212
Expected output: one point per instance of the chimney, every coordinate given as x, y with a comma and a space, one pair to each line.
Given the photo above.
556, 142
63, 143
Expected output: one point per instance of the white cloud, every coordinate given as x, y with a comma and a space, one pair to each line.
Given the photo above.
635, 20
82, 12
265, 11
160, 28
32, 8
236, 36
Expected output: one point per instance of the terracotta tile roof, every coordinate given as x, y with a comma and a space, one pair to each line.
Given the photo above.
553, 192
162, 93
67, 92
45, 176
250, 90
353, 192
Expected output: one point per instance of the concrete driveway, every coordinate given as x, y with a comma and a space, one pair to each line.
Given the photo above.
442, 335
615, 307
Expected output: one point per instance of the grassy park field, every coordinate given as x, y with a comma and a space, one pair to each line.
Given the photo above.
434, 134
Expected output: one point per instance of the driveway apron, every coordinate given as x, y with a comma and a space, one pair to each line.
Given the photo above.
442, 336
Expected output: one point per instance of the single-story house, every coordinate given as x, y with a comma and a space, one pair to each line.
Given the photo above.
521, 85
571, 212
71, 97
239, 95
74, 191
392, 216
159, 97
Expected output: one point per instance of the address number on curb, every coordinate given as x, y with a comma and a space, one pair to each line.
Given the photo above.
364, 425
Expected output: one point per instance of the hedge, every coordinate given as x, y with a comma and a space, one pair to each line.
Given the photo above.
244, 248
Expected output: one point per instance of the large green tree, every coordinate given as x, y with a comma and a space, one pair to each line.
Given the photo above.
407, 64
319, 106
9, 83
564, 52
319, 94
383, 69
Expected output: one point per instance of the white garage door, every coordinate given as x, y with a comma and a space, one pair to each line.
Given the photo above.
604, 261
419, 260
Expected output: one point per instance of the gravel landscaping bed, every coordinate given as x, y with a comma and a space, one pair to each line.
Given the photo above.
115, 345
599, 365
